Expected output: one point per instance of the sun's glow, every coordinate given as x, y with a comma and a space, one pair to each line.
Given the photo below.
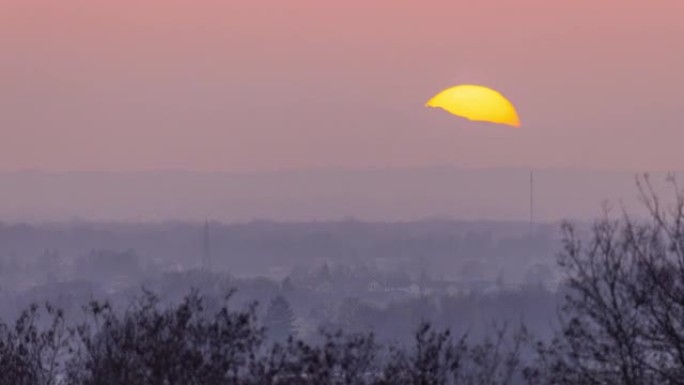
476, 103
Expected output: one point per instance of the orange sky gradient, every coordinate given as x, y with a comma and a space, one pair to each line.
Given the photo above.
246, 86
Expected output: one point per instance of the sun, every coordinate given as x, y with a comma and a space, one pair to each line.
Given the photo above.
476, 103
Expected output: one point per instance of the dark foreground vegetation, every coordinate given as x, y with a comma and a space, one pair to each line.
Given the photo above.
190, 344
621, 322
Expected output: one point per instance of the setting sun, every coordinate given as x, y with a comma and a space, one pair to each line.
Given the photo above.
476, 103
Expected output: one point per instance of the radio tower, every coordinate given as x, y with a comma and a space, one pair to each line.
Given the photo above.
206, 248
531, 200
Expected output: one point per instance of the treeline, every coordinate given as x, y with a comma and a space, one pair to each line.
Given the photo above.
195, 342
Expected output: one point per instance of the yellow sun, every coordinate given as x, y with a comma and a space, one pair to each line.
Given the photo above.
476, 103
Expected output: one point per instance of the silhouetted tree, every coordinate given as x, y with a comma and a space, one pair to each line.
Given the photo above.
31, 352
435, 360
623, 317
339, 360
177, 345
438, 359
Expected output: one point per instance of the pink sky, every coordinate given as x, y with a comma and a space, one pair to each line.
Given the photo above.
243, 86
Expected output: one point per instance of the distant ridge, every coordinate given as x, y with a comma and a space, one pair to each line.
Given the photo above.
500, 194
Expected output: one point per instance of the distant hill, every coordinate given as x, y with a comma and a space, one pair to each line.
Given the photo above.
330, 194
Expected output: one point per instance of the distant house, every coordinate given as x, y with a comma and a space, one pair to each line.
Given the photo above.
325, 287
374, 286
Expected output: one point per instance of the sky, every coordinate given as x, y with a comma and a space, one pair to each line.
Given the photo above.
261, 85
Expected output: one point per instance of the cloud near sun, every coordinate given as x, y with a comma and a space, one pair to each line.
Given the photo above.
476, 103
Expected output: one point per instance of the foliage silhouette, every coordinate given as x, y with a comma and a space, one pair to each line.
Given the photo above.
151, 343
623, 316
32, 353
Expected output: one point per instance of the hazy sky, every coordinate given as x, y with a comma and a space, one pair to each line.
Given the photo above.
254, 85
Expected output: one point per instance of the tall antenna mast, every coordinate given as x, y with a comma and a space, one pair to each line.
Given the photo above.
206, 247
531, 199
